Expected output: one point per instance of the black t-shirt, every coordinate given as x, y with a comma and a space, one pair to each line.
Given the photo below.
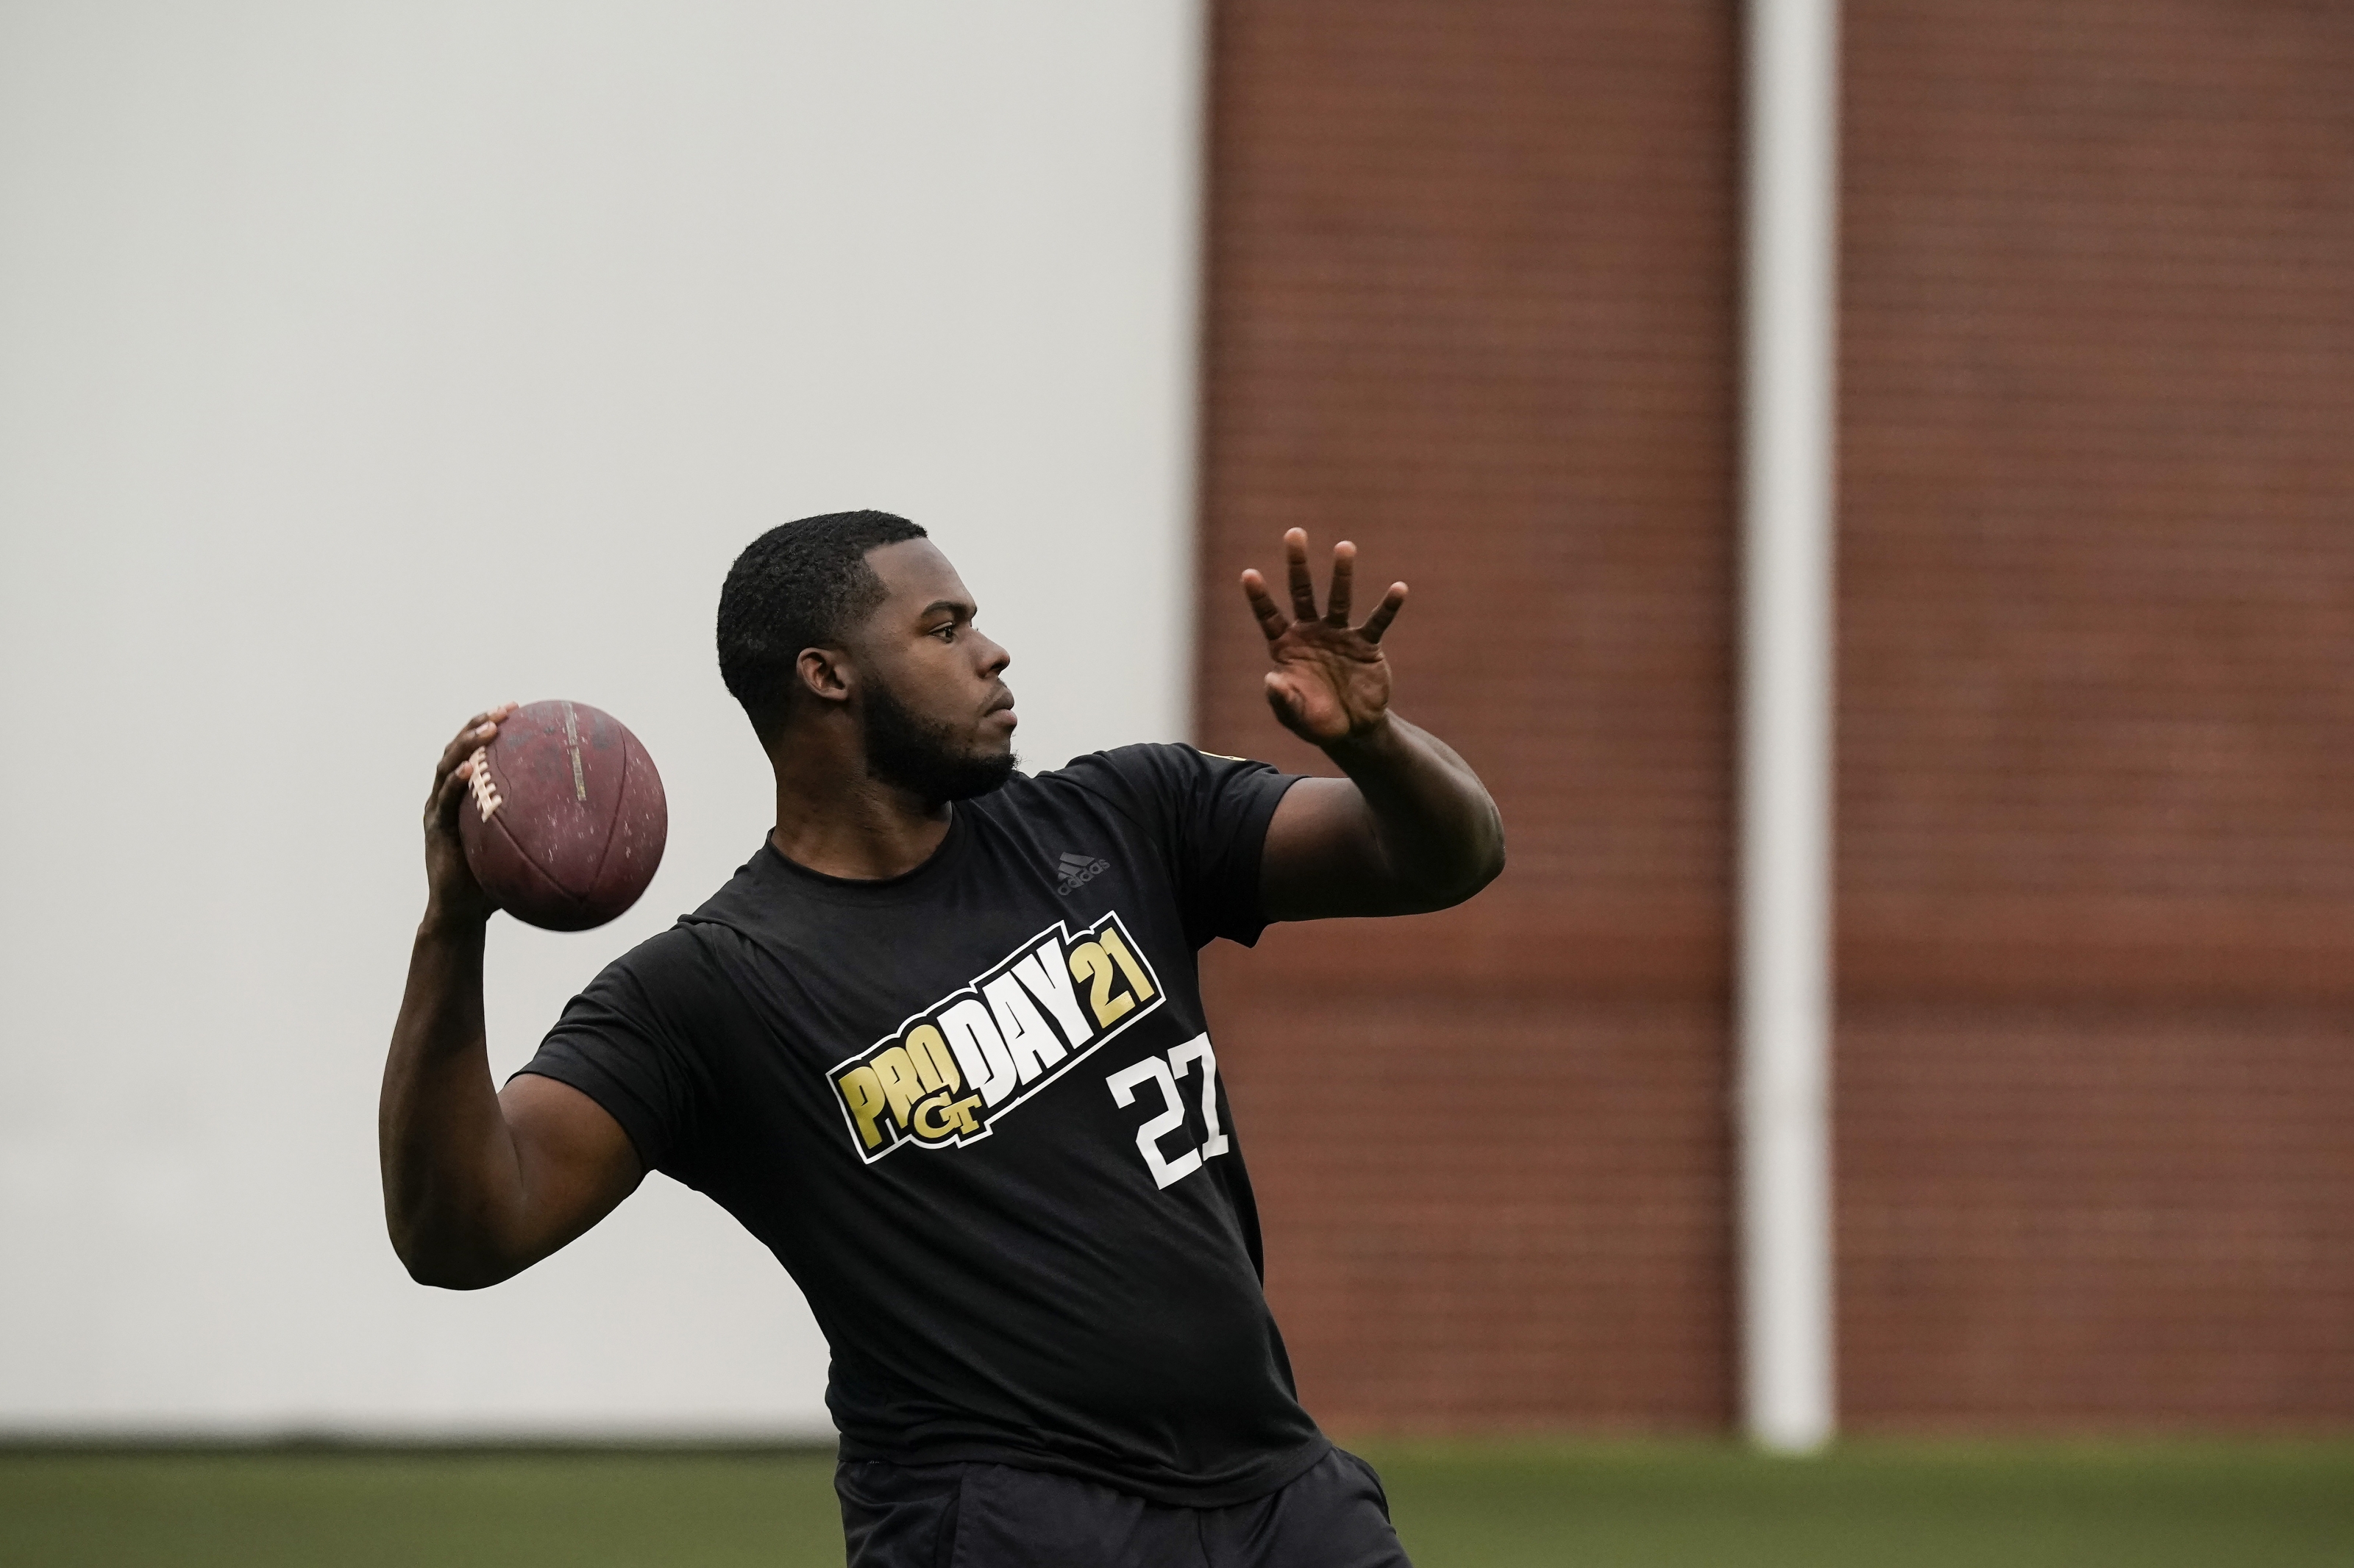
975, 1111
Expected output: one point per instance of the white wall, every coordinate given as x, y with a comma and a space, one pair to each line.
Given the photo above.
361, 365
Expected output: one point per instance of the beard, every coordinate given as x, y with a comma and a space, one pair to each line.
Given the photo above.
906, 752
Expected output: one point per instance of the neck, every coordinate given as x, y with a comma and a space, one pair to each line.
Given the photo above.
836, 820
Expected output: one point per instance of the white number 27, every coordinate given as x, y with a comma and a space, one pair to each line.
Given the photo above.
1164, 1073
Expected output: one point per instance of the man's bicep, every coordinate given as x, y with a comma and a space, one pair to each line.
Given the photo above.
576, 1162
1323, 858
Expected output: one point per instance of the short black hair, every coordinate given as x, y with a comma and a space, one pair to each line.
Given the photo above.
800, 585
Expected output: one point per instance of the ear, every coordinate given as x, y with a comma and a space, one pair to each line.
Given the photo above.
826, 674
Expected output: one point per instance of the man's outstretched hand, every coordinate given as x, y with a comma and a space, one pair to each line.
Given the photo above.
1330, 684
1411, 828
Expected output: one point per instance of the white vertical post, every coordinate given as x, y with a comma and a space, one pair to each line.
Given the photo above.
1783, 1002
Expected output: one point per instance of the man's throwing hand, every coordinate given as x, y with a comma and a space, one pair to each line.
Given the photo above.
1330, 684
450, 890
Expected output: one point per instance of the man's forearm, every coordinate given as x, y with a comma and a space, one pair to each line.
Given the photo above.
1439, 832
451, 1182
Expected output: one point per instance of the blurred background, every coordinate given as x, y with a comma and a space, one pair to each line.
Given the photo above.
362, 365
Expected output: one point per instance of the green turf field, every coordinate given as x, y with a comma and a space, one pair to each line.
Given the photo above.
1457, 1505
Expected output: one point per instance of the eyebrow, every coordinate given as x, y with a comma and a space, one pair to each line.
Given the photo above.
953, 605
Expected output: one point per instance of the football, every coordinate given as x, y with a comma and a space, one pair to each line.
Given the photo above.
565, 820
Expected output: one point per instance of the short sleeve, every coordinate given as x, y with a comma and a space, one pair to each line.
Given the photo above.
1209, 814
627, 1043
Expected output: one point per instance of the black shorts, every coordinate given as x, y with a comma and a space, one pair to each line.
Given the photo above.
993, 1516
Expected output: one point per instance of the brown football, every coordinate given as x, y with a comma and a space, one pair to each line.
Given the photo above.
565, 818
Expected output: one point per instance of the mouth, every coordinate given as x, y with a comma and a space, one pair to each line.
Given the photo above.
1002, 703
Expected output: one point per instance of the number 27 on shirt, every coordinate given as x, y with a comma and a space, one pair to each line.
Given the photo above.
1163, 1073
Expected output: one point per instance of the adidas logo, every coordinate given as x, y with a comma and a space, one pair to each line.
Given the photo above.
1077, 871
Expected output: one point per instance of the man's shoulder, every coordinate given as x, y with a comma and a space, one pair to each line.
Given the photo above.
1127, 780
658, 965
1144, 767
748, 890
688, 950
1172, 794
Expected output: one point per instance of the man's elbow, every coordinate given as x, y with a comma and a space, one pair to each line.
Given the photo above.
1475, 871
1491, 867
1488, 867
447, 1267
443, 1275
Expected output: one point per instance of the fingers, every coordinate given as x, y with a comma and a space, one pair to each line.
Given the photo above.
1339, 603
477, 732
1270, 616
454, 754
1344, 567
1384, 612
449, 790
1303, 583
481, 727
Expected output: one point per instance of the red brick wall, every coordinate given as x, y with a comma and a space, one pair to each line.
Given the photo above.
1471, 301
1471, 304
2096, 776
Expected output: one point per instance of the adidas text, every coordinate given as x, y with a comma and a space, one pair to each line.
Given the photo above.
1077, 871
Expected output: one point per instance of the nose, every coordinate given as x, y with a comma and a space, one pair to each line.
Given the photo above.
993, 657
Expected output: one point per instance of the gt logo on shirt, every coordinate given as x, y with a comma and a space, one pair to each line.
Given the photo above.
942, 1077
